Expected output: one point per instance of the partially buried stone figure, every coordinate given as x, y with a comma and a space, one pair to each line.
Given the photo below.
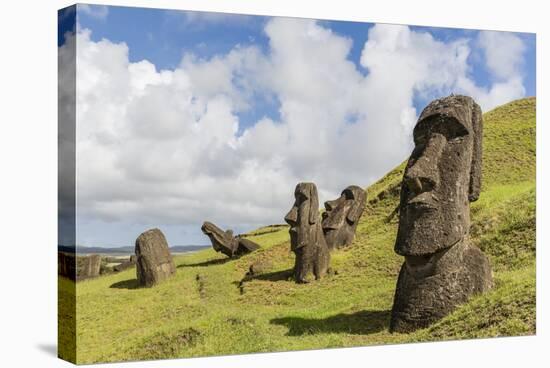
88, 266
226, 243
154, 262
306, 235
342, 215
442, 269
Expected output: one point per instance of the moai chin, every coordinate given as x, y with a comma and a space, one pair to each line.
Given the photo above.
442, 269
342, 216
306, 235
226, 243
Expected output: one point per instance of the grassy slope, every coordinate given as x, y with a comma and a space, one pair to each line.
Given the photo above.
206, 309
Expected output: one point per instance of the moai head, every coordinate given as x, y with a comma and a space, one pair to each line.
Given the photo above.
154, 262
342, 215
306, 235
303, 216
442, 177
222, 241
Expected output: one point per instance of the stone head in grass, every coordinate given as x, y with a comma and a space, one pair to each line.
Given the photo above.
342, 216
88, 266
442, 269
154, 262
306, 234
224, 241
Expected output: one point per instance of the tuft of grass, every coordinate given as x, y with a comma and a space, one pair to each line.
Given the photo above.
211, 307
66, 317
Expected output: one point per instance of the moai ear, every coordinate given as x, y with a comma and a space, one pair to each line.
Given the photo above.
358, 206
475, 169
313, 205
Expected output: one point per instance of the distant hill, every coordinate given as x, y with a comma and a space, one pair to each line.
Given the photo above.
210, 308
124, 250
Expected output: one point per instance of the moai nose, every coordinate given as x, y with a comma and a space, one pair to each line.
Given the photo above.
423, 175
291, 217
419, 184
329, 205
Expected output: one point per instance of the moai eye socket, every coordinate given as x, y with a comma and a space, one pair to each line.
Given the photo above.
348, 194
449, 127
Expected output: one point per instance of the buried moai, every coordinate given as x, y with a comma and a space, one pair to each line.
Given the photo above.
66, 265
154, 262
226, 243
306, 235
342, 215
442, 269
88, 266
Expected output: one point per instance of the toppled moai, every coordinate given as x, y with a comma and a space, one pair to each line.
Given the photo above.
154, 262
226, 243
306, 235
342, 216
125, 264
442, 269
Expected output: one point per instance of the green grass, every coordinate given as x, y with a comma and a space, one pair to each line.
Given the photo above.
210, 308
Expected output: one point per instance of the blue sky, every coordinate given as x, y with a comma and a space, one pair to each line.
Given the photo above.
262, 80
163, 36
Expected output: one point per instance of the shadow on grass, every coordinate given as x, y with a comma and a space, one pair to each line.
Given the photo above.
126, 284
358, 323
272, 276
211, 262
285, 275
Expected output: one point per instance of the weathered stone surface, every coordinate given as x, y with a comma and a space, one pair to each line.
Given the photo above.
342, 216
78, 267
154, 262
88, 266
442, 269
66, 265
306, 235
226, 243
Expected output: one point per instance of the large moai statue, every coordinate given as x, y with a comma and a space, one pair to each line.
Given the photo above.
442, 269
342, 216
306, 235
153, 259
226, 243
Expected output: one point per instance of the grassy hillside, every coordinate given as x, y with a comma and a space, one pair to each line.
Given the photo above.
211, 308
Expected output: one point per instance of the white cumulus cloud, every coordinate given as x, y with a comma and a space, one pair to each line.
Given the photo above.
167, 146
